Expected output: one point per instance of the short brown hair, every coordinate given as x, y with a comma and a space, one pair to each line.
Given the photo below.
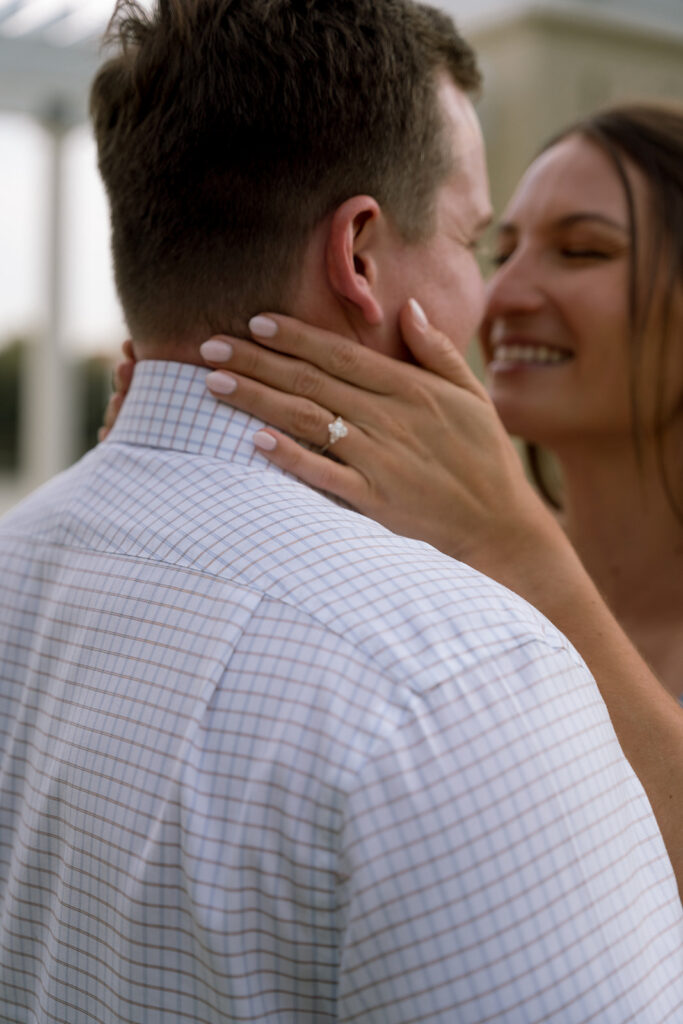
650, 135
227, 129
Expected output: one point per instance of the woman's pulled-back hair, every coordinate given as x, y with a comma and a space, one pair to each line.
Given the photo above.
650, 136
227, 129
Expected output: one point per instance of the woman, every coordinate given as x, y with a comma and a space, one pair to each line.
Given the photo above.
591, 264
579, 337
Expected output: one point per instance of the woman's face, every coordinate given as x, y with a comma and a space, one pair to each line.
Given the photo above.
556, 328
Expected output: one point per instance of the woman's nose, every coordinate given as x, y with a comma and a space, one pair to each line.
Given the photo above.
515, 287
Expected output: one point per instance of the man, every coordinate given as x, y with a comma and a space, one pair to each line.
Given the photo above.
255, 766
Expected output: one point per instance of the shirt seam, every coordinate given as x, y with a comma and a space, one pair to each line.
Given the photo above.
515, 643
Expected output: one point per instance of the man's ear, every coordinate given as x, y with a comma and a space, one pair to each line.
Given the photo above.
350, 255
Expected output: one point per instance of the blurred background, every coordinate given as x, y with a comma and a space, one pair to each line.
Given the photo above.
544, 62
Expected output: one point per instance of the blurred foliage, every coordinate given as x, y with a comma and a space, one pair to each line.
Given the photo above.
91, 382
92, 387
10, 404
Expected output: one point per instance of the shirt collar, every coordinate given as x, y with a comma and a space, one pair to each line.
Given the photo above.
168, 406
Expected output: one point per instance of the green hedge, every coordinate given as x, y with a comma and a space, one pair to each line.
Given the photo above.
91, 384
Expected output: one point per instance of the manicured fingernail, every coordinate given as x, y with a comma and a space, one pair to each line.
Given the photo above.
263, 327
215, 351
419, 315
266, 442
221, 383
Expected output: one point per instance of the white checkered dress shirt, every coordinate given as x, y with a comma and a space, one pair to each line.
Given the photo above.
262, 760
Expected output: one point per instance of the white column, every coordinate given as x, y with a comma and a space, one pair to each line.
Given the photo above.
49, 415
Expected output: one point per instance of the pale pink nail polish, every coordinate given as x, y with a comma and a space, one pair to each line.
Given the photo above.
215, 351
419, 315
221, 383
266, 442
263, 327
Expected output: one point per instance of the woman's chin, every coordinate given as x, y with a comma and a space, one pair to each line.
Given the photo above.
537, 426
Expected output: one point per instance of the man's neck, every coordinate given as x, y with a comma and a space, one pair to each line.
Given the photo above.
169, 350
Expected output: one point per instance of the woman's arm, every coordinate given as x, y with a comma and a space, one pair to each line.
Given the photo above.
427, 455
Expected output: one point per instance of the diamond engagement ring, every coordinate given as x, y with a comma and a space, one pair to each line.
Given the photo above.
336, 430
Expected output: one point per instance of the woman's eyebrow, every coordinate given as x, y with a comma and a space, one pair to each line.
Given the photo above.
577, 218
508, 227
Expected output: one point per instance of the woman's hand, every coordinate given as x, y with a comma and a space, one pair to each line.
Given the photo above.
425, 453
122, 376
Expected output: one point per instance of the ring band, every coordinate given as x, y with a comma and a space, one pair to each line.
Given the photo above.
336, 430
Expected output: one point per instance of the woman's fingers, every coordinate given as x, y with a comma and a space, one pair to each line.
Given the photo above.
272, 372
293, 414
338, 356
354, 363
110, 413
312, 468
123, 375
121, 381
435, 351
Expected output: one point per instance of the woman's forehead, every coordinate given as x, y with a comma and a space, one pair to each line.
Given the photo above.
574, 175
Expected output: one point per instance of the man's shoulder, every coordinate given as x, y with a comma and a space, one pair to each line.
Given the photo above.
426, 612
416, 612
392, 596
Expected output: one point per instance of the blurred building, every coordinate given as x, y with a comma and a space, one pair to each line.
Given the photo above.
545, 63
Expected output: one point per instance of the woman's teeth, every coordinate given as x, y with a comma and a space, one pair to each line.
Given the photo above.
529, 354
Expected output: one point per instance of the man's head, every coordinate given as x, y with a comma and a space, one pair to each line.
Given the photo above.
228, 130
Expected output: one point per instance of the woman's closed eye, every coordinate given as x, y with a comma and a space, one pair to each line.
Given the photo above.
585, 254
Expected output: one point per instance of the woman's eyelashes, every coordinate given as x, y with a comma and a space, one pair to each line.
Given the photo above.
584, 254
